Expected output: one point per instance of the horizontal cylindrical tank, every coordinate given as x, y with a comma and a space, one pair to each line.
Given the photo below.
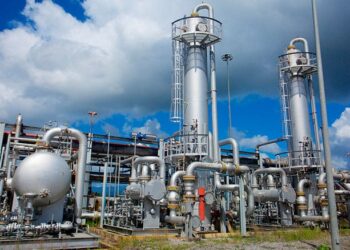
43, 175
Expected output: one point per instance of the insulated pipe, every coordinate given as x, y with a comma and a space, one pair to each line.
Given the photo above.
302, 183
172, 218
314, 119
204, 165
216, 156
265, 195
150, 159
270, 182
301, 200
257, 148
47, 139
311, 218
19, 123
341, 175
175, 177
279, 171
235, 187
235, 149
173, 196
304, 42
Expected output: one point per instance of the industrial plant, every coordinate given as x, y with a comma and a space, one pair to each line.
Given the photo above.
189, 184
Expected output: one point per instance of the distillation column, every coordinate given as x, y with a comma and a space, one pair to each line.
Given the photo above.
295, 66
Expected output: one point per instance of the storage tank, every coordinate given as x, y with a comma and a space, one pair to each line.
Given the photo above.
44, 175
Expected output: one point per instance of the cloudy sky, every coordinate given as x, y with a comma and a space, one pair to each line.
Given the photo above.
61, 59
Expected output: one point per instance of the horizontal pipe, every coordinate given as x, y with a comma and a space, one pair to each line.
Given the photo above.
266, 195
311, 218
172, 218
203, 165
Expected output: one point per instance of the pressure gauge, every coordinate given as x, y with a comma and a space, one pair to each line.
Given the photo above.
202, 27
209, 198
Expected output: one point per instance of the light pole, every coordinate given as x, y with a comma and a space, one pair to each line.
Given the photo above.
227, 58
92, 115
327, 151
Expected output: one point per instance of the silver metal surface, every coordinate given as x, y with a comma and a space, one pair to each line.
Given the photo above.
325, 136
82, 154
43, 174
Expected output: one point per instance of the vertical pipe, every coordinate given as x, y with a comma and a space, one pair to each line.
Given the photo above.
103, 193
79, 182
325, 136
314, 120
214, 105
242, 215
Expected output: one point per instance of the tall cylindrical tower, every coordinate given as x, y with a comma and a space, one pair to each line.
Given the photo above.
295, 67
195, 33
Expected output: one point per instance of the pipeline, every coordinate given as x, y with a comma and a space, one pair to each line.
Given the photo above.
279, 171
148, 159
82, 154
42, 228
235, 187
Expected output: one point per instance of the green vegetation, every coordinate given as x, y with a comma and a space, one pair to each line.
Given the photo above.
289, 237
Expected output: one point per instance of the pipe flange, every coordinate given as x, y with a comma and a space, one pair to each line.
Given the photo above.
324, 202
302, 207
189, 197
237, 170
173, 188
132, 179
224, 167
173, 206
144, 178
301, 193
189, 177
321, 185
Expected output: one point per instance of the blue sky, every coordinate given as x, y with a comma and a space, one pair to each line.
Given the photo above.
61, 59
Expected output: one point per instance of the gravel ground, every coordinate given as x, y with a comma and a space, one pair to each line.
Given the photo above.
208, 244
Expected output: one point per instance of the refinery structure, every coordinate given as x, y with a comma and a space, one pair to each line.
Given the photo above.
188, 184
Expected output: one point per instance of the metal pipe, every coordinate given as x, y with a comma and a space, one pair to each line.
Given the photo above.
172, 218
341, 175
270, 182
302, 183
216, 156
314, 120
306, 45
311, 218
279, 171
258, 146
103, 194
235, 149
19, 123
325, 135
82, 154
301, 200
266, 195
235, 187
203, 165
174, 177
151, 159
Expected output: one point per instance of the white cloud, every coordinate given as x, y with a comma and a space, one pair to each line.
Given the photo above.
109, 128
250, 143
118, 60
339, 134
151, 126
